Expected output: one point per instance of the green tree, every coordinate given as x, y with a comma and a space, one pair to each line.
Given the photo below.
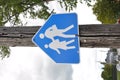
10, 10
107, 11
107, 73
4, 52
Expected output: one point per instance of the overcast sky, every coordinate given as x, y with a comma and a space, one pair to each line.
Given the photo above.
31, 63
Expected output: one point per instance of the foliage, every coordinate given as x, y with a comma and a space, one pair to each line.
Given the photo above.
118, 75
88, 2
107, 73
10, 10
69, 5
4, 51
107, 11
114, 50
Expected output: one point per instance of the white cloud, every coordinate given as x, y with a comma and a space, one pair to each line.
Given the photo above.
32, 64
54, 5
89, 67
85, 14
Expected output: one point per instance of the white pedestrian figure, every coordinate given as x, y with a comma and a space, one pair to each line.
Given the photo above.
53, 31
56, 45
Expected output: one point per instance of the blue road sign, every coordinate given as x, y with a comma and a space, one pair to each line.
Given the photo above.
57, 38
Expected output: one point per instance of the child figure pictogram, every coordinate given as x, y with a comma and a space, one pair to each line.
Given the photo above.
54, 31
56, 45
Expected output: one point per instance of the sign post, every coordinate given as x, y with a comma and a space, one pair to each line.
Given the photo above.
57, 38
